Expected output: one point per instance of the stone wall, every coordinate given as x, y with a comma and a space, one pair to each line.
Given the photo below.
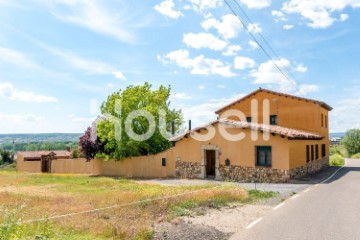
310, 167
253, 174
187, 169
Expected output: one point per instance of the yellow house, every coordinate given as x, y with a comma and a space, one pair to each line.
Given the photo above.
280, 137
265, 136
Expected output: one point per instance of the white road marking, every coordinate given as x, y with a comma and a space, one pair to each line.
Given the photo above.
279, 206
295, 196
254, 223
306, 190
334, 173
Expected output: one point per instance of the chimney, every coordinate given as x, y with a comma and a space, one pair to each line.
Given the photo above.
189, 125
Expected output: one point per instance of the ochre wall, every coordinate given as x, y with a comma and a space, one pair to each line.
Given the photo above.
241, 153
298, 151
291, 112
27, 166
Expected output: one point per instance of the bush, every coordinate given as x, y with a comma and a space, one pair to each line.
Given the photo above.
337, 160
357, 156
351, 141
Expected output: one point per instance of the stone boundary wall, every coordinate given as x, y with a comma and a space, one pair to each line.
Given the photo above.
310, 167
188, 170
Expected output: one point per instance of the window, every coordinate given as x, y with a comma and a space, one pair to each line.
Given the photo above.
323, 150
248, 119
307, 153
273, 120
326, 121
322, 120
312, 152
263, 156
316, 152
163, 162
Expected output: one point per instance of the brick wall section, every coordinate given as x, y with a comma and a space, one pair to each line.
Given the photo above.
187, 169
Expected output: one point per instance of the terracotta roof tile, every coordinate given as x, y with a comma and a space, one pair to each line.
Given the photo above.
37, 154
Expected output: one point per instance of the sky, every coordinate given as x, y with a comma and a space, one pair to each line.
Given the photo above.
60, 59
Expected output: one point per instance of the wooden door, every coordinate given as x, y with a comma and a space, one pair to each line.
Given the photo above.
210, 162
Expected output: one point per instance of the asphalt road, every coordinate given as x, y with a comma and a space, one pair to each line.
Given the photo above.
329, 210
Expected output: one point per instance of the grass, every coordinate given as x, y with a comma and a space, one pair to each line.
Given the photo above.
339, 149
8, 167
44, 195
337, 160
356, 156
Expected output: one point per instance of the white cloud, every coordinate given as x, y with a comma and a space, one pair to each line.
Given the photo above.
288, 27
119, 75
253, 44
89, 66
319, 13
205, 112
182, 96
301, 68
166, 8
344, 17
202, 5
16, 58
82, 120
7, 90
22, 123
267, 73
228, 28
257, 4
305, 89
110, 85
198, 65
203, 40
94, 15
254, 28
201, 87
221, 86
243, 63
232, 50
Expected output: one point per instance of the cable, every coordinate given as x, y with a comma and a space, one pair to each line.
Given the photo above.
261, 47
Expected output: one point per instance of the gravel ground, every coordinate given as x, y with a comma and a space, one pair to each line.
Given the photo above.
221, 224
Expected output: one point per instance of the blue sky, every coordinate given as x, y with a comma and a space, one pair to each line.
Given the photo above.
59, 59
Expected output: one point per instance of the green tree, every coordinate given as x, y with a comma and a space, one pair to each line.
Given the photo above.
6, 156
120, 105
351, 141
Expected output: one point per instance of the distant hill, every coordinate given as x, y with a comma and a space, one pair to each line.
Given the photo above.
337, 135
40, 137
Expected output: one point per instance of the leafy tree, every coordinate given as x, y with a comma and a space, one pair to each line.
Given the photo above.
89, 147
351, 141
6, 156
131, 99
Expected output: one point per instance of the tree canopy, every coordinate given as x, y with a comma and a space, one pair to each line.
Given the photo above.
351, 141
116, 132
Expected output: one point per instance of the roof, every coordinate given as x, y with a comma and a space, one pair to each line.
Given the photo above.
291, 134
38, 154
322, 104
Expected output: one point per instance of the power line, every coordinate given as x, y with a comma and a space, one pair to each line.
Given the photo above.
261, 47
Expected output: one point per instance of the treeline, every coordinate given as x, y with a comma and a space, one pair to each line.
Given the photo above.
38, 146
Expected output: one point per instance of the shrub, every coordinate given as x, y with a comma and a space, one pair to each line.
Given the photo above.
351, 141
356, 156
89, 147
337, 160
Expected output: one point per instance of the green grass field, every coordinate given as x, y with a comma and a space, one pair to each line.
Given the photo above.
27, 197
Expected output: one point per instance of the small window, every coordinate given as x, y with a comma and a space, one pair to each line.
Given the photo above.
163, 162
326, 121
322, 120
316, 152
323, 150
307, 153
273, 120
263, 156
249, 119
312, 152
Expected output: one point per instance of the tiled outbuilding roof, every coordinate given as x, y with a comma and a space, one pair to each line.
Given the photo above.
292, 134
38, 154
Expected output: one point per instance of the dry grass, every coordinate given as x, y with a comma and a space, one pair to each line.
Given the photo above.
46, 195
